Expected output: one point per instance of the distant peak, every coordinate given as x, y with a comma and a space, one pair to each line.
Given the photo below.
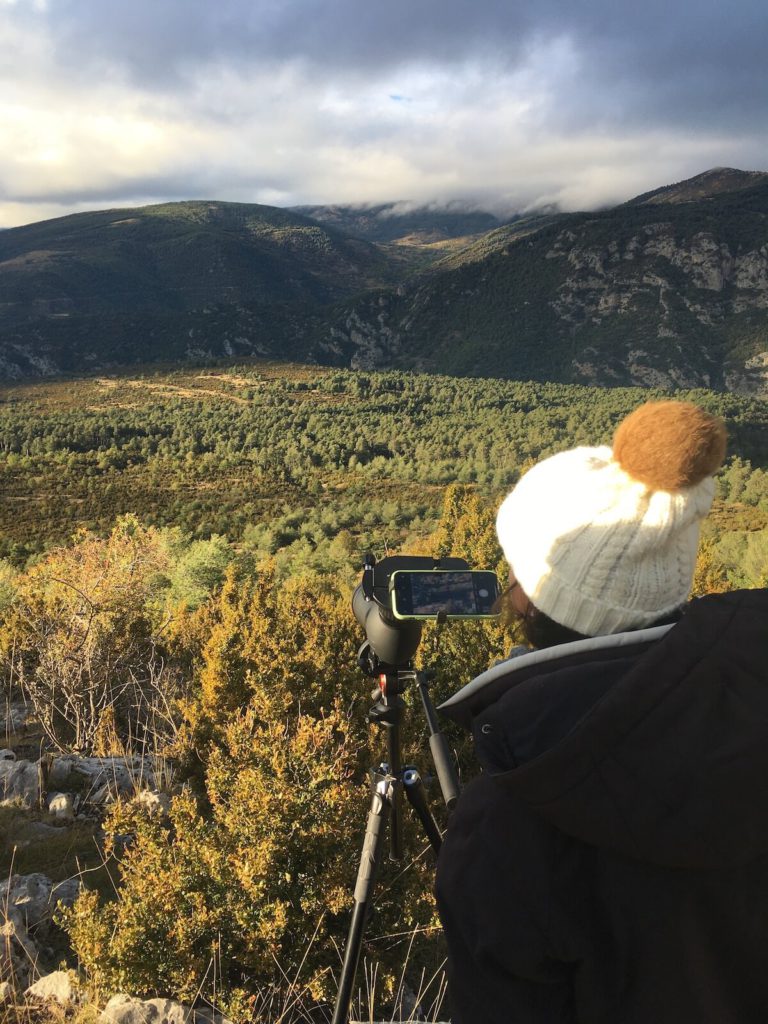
713, 182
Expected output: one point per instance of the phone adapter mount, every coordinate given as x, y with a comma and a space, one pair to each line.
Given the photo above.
392, 642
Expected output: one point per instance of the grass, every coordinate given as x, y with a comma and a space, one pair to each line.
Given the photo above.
49, 1013
65, 851
291, 1005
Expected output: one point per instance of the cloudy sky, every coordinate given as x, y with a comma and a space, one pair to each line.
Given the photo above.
506, 104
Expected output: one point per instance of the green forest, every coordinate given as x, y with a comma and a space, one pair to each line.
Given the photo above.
178, 551
311, 465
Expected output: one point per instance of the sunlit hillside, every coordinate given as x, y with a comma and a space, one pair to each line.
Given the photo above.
187, 743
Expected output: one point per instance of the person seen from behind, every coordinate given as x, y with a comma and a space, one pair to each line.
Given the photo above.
610, 863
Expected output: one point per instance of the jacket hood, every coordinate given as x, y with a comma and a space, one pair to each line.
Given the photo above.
664, 757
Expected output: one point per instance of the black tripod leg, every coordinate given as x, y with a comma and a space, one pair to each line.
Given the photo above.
414, 790
441, 755
396, 818
370, 858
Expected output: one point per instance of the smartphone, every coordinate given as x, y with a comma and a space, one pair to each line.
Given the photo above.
461, 594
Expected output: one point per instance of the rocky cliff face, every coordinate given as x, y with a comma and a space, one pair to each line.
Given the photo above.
602, 282
663, 294
653, 269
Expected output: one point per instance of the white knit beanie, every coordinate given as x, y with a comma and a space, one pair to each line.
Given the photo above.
602, 540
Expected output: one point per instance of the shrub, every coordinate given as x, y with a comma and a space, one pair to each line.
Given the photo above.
249, 887
80, 640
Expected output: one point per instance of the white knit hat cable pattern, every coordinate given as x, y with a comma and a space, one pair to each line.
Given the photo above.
596, 550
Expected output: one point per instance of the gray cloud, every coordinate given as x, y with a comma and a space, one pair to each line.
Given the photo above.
700, 60
289, 101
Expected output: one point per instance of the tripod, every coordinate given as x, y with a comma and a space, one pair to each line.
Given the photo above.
388, 782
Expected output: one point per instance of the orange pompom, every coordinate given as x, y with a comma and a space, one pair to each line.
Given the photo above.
670, 445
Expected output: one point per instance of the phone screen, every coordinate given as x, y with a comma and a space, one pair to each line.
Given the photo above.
424, 594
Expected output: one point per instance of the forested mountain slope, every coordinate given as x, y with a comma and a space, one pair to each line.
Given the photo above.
710, 183
671, 293
670, 289
170, 281
393, 222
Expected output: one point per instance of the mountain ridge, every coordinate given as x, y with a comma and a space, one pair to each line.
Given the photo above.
404, 222
653, 294
668, 289
715, 181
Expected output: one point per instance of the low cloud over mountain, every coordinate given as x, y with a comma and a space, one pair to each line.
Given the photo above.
306, 103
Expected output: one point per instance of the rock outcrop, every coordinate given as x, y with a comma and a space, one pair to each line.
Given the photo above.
57, 987
125, 1009
27, 906
21, 783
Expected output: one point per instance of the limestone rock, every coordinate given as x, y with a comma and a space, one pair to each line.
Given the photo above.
7, 755
27, 904
59, 771
26, 896
155, 803
61, 806
703, 273
18, 952
6, 992
100, 779
66, 892
56, 987
124, 1009
20, 783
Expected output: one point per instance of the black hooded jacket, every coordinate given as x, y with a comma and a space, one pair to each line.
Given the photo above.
610, 866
